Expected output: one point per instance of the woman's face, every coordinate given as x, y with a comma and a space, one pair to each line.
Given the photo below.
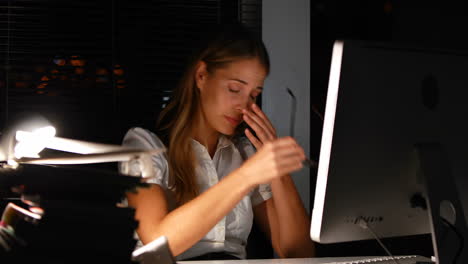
226, 91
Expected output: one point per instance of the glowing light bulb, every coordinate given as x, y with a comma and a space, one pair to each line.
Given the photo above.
29, 144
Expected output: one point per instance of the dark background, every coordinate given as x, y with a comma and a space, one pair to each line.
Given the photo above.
431, 24
97, 68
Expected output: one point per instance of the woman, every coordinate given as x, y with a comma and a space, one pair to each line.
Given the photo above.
211, 183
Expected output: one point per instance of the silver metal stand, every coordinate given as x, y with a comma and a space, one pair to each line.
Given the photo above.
443, 204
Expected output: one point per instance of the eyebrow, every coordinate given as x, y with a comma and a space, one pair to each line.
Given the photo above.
246, 83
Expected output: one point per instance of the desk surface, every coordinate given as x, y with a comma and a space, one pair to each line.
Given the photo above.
270, 261
283, 261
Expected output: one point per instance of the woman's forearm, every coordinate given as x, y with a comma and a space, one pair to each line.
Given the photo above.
187, 224
293, 220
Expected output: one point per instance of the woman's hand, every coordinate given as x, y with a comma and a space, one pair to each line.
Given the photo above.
275, 157
273, 160
262, 126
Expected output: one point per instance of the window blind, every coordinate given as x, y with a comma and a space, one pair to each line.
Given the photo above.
96, 68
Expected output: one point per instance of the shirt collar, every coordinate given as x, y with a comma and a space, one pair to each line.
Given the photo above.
223, 142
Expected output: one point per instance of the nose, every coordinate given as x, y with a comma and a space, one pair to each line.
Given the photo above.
243, 103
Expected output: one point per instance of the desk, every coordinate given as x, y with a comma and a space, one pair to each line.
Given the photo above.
283, 261
271, 261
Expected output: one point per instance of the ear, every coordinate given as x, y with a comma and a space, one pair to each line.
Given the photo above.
201, 74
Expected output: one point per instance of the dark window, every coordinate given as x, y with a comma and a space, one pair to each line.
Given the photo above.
96, 68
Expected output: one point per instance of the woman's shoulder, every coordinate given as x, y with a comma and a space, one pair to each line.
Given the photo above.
142, 138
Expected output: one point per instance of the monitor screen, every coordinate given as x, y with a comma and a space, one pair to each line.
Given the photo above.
382, 100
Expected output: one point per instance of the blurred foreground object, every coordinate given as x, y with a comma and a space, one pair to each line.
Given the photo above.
65, 214
157, 251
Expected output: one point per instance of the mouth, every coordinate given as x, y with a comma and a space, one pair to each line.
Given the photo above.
233, 121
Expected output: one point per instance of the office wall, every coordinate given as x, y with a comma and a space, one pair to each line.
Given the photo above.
286, 32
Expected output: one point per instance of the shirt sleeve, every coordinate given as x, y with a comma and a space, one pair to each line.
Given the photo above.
144, 139
263, 191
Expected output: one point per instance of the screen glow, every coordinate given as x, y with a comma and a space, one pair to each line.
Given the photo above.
327, 136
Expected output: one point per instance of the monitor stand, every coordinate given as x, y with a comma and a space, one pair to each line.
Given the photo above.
443, 204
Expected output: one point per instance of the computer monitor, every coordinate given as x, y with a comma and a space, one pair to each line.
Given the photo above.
383, 100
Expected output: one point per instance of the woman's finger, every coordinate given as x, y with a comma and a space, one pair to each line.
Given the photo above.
289, 159
288, 146
260, 113
262, 134
291, 167
257, 143
287, 153
263, 124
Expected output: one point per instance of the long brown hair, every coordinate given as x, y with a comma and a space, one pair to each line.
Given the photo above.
176, 121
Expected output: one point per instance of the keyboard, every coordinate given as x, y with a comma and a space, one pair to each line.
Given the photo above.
387, 260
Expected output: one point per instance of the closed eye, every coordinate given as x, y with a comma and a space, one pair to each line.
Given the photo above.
254, 95
234, 90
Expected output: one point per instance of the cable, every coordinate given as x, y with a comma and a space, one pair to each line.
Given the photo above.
292, 118
363, 223
460, 239
292, 124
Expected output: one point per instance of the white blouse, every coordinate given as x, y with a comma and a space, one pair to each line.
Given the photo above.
231, 233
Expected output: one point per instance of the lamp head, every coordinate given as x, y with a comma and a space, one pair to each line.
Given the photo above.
26, 138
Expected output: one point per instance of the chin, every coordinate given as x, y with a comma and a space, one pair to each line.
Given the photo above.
228, 131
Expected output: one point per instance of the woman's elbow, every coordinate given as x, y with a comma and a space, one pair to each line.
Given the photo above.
303, 250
